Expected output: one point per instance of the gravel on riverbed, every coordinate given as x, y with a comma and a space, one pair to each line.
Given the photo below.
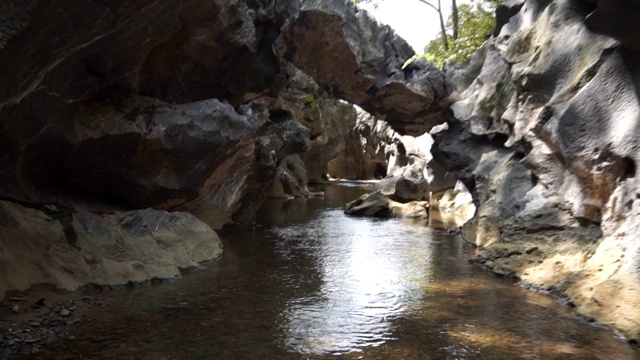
44, 324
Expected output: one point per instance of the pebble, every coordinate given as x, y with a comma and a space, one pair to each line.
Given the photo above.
28, 337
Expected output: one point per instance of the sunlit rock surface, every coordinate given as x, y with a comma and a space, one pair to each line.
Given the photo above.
69, 248
457, 204
546, 138
376, 204
355, 58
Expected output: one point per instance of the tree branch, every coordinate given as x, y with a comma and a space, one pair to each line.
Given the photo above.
430, 4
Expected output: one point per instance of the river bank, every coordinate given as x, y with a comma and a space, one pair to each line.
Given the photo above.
310, 282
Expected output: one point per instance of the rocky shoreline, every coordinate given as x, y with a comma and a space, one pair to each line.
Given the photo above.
34, 319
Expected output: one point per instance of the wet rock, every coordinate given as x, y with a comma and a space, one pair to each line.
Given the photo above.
30, 336
378, 205
17, 298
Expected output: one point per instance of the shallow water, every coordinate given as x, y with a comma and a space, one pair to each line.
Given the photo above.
312, 283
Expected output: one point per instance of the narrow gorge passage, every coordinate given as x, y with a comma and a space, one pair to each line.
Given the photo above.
311, 283
139, 138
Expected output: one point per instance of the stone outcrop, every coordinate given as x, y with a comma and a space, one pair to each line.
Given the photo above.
455, 205
375, 150
377, 204
329, 121
546, 138
70, 248
92, 120
291, 179
354, 58
369, 144
118, 110
116, 107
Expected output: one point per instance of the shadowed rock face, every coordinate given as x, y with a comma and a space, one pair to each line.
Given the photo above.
93, 117
109, 107
328, 119
354, 58
618, 19
546, 137
178, 51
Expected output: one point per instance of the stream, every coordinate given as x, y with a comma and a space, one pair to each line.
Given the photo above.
309, 282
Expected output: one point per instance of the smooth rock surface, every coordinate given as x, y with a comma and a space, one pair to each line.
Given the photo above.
69, 249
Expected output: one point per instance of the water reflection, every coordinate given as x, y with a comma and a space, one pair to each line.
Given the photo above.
311, 283
371, 272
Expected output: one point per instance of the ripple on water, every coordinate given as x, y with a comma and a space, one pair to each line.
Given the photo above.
313, 283
370, 272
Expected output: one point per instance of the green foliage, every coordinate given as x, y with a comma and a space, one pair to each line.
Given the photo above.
233, 2
476, 24
311, 101
373, 2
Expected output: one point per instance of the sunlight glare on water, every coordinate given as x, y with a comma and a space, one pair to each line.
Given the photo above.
370, 271
309, 282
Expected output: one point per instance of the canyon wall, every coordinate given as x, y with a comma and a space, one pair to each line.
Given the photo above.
546, 134
129, 131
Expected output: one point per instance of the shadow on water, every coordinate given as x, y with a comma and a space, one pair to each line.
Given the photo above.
310, 283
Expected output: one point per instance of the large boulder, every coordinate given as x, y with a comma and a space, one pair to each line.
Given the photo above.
546, 138
357, 59
67, 248
376, 204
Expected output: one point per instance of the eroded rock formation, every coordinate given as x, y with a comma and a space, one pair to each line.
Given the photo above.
70, 248
120, 110
328, 119
354, 58
379, 205
113, 108
546, 137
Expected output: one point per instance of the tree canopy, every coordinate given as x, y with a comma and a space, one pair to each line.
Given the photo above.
475, 25
468, 26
